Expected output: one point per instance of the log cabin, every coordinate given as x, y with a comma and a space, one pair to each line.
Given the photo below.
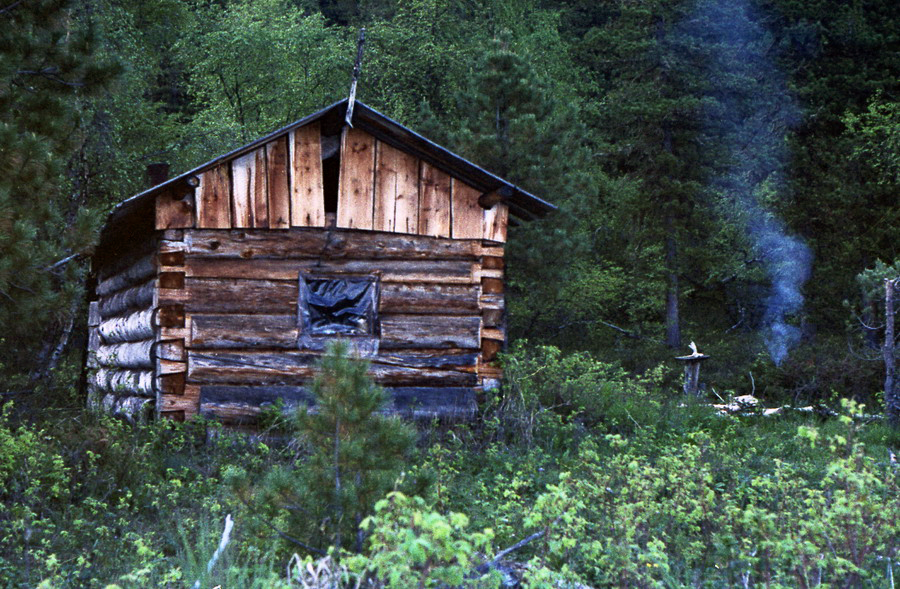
214, 293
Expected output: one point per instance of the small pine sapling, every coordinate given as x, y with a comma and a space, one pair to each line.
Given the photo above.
356, 454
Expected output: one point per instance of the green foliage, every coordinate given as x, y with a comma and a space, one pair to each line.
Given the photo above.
602, 395
47, 67
86, 501
256, 66
355, 455
412, 546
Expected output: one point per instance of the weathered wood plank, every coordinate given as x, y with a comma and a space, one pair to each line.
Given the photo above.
493, 333
241, 404
214, 202
170, 367
244, 331
434, 202
492, 301
495, 222
316, 243
259, 396
356, 184
188, 401
128, 328
447, 299
489, 349
266, 297
450, 359
174, 209
171, 350
296, 368
170, 259
130, 299
259, 202
429, 331
134, 274
421, 271
241, 296
428, 402
278, 184
241, 190
396, 190
468, 216
243, 172
171, 280
171, 383
307, 194
170, 315
127, 355
492, 317
492, 286
492, 263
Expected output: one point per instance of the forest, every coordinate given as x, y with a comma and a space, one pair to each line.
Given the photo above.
727, 172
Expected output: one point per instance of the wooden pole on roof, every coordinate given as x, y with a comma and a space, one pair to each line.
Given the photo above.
356, 69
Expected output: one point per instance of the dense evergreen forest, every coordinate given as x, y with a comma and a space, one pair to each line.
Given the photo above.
727, 172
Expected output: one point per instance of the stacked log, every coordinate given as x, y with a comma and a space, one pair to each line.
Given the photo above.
122, 338
242, 340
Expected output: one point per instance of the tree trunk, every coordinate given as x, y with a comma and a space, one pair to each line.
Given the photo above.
891, 394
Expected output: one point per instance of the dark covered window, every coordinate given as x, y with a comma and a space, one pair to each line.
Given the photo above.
342, 307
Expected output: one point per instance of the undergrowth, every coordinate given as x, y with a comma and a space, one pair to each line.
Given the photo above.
617, 481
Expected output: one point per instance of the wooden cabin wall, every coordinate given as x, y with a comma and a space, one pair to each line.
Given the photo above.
233, 326
121, 331
280, 185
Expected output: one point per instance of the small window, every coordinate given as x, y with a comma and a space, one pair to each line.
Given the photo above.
338, 307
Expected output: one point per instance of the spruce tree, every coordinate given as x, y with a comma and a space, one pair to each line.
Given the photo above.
511, 124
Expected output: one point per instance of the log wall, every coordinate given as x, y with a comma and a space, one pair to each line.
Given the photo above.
121, 338
228, 337
281, 185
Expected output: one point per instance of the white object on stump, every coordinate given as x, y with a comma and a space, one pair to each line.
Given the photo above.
692, 370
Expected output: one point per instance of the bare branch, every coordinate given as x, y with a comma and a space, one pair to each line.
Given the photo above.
10, 7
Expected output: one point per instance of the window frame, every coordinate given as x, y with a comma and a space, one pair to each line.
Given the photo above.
365, 345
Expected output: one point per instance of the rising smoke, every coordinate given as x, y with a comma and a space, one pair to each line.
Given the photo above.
750, 114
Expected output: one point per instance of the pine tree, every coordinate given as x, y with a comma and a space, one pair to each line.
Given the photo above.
46, 66
356, 457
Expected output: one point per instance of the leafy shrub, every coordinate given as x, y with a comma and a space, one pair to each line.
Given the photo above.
542, 379
412, 546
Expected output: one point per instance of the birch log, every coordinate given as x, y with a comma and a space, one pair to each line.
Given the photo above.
130, 328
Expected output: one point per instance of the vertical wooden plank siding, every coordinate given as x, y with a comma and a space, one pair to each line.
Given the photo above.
242, 174
279, 194
495, 220
406, 202
356, 188
214, 204
434, 202
396, 190
307, 194
259, 202
468, 216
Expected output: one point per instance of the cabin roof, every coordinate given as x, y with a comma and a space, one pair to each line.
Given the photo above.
522, 204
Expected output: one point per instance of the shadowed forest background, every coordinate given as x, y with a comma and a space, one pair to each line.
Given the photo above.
727, 172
